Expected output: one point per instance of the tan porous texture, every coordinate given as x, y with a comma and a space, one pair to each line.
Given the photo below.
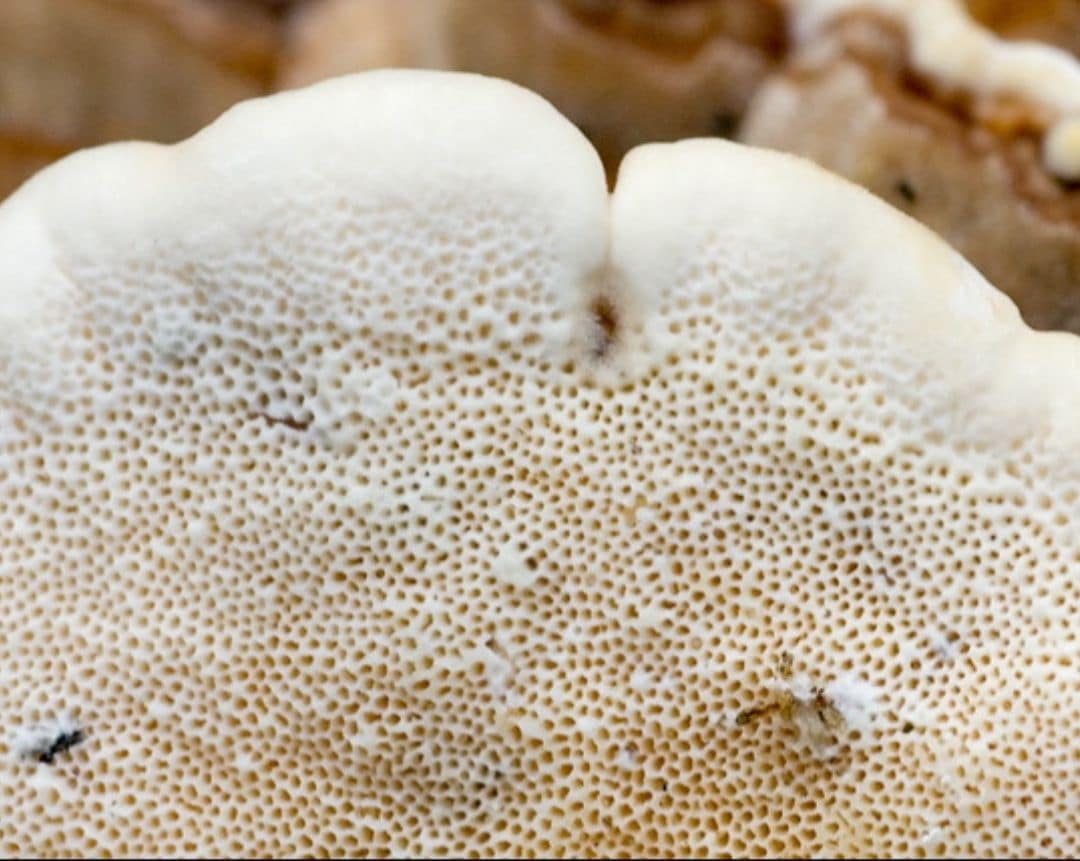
370, 484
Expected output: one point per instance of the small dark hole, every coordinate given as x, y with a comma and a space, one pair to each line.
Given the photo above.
724, 124
906, 191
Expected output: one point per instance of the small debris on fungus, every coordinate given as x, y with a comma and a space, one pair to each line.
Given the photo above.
44, 742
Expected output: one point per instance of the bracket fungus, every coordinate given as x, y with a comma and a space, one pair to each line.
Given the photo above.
976, 136
321, 506
1056, 22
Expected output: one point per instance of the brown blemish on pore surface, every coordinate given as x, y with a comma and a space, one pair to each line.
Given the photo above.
287, 421
606, 319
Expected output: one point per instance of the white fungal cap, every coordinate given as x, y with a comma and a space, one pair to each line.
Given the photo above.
370, 485
949, 46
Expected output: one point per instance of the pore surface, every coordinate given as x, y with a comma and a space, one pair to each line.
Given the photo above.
362, 490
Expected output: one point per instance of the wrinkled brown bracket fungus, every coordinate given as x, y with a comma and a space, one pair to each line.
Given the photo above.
1056, 22
976, 137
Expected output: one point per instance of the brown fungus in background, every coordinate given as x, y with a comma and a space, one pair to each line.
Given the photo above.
75, 73
969, 166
